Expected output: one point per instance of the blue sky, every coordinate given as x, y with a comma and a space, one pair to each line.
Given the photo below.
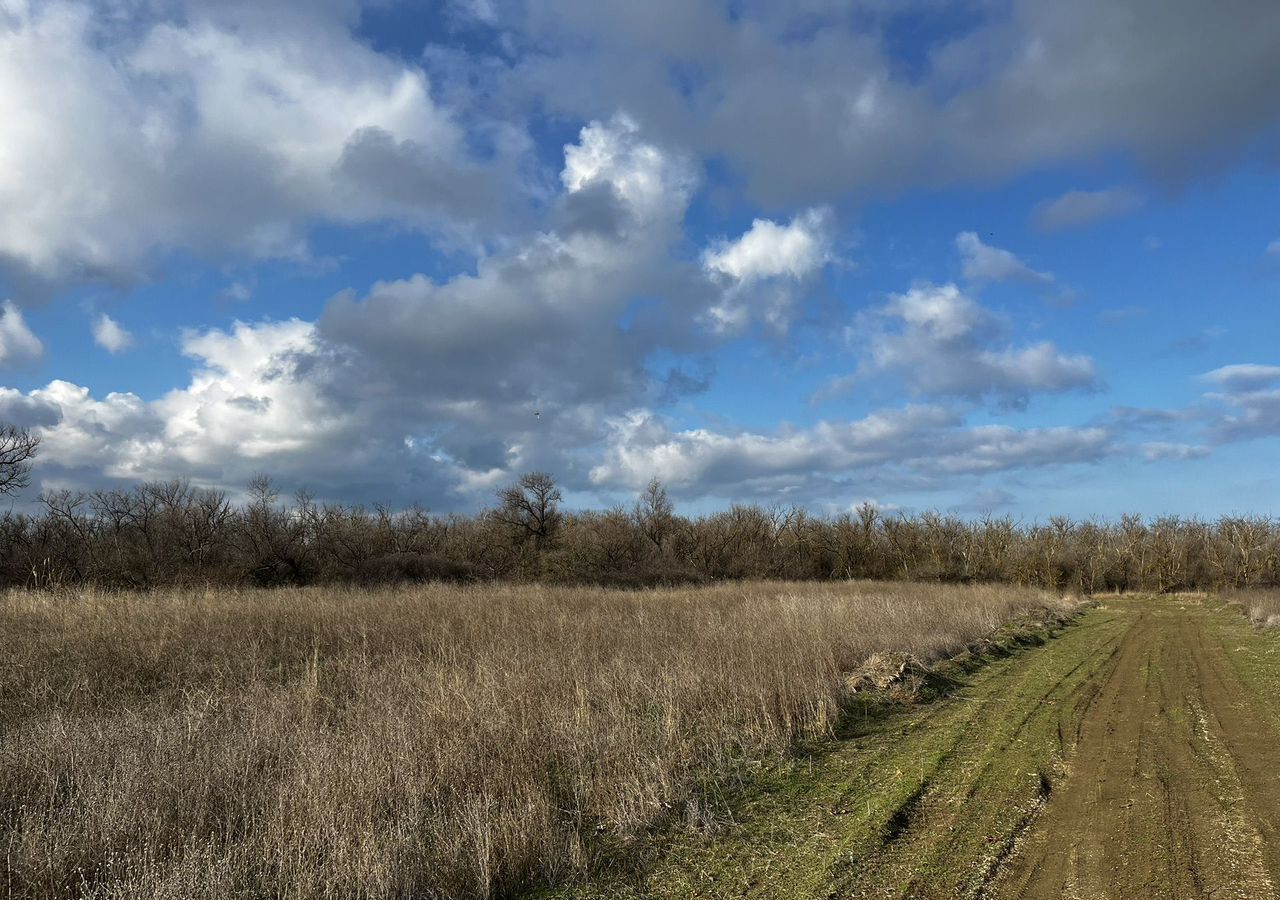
1013, 257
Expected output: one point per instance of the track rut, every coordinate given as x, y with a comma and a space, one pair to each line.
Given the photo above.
1171, 788
1133, 754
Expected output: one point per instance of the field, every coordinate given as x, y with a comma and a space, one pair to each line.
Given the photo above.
423, 742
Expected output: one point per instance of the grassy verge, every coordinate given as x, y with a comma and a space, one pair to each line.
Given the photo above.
1252, 642
910, 798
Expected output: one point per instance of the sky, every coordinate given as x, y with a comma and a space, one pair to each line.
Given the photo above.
1016, 257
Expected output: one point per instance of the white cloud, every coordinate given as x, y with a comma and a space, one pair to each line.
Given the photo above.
996, 448
227, 130
1242, 377
424, 387
761, 272
116, 437
1254, 414
540, 322
254, 402
1078, 208
19, 347
537, 326
248, 399
983, 262
641, 446
110, 335
770, 250
924, 440
215, 133
1155, 451
945, 344
652, 184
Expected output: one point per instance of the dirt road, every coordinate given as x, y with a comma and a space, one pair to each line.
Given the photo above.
1134, 755
1172, 782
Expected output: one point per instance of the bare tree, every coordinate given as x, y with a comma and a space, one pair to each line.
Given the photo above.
17, 448
654, 512
531, 506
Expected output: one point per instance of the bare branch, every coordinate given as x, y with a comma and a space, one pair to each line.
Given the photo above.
18, 446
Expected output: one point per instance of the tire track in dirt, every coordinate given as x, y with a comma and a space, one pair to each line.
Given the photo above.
951, 841
1133, 755
1171, 788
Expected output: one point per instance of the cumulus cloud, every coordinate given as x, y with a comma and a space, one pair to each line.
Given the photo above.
539, 324
927, 440
422, 387
249, 397
233, 130
1078, 208
255, 402
762, 270
983, 262
223, 129
110, 335
220, 131
653, 184
85, 439
770, 250
942, 343
19, 347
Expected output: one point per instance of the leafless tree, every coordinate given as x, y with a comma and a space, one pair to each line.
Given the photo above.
654, 512
531, 506
18, 446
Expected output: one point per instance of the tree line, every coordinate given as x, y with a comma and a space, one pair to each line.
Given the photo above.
173, 533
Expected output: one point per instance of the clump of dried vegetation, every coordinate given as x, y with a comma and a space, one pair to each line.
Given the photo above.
429, 741
1262, 607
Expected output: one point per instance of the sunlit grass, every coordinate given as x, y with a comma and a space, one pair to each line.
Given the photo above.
429, 742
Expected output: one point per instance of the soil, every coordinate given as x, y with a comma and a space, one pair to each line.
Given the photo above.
1172, 781
1134, 754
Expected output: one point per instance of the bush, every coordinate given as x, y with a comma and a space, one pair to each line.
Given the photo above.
398, 568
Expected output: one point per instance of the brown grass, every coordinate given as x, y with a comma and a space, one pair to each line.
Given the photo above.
1261, 606
426, 742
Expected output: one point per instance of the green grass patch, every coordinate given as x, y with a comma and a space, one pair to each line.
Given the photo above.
924, 788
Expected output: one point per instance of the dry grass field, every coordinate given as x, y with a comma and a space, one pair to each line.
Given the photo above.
427, 742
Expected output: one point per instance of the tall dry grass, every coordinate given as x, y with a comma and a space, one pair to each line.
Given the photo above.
1262, 606
425, 742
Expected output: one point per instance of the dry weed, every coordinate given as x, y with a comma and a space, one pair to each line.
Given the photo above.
427, 742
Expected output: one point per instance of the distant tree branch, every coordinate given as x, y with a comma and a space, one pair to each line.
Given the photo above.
18, 446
